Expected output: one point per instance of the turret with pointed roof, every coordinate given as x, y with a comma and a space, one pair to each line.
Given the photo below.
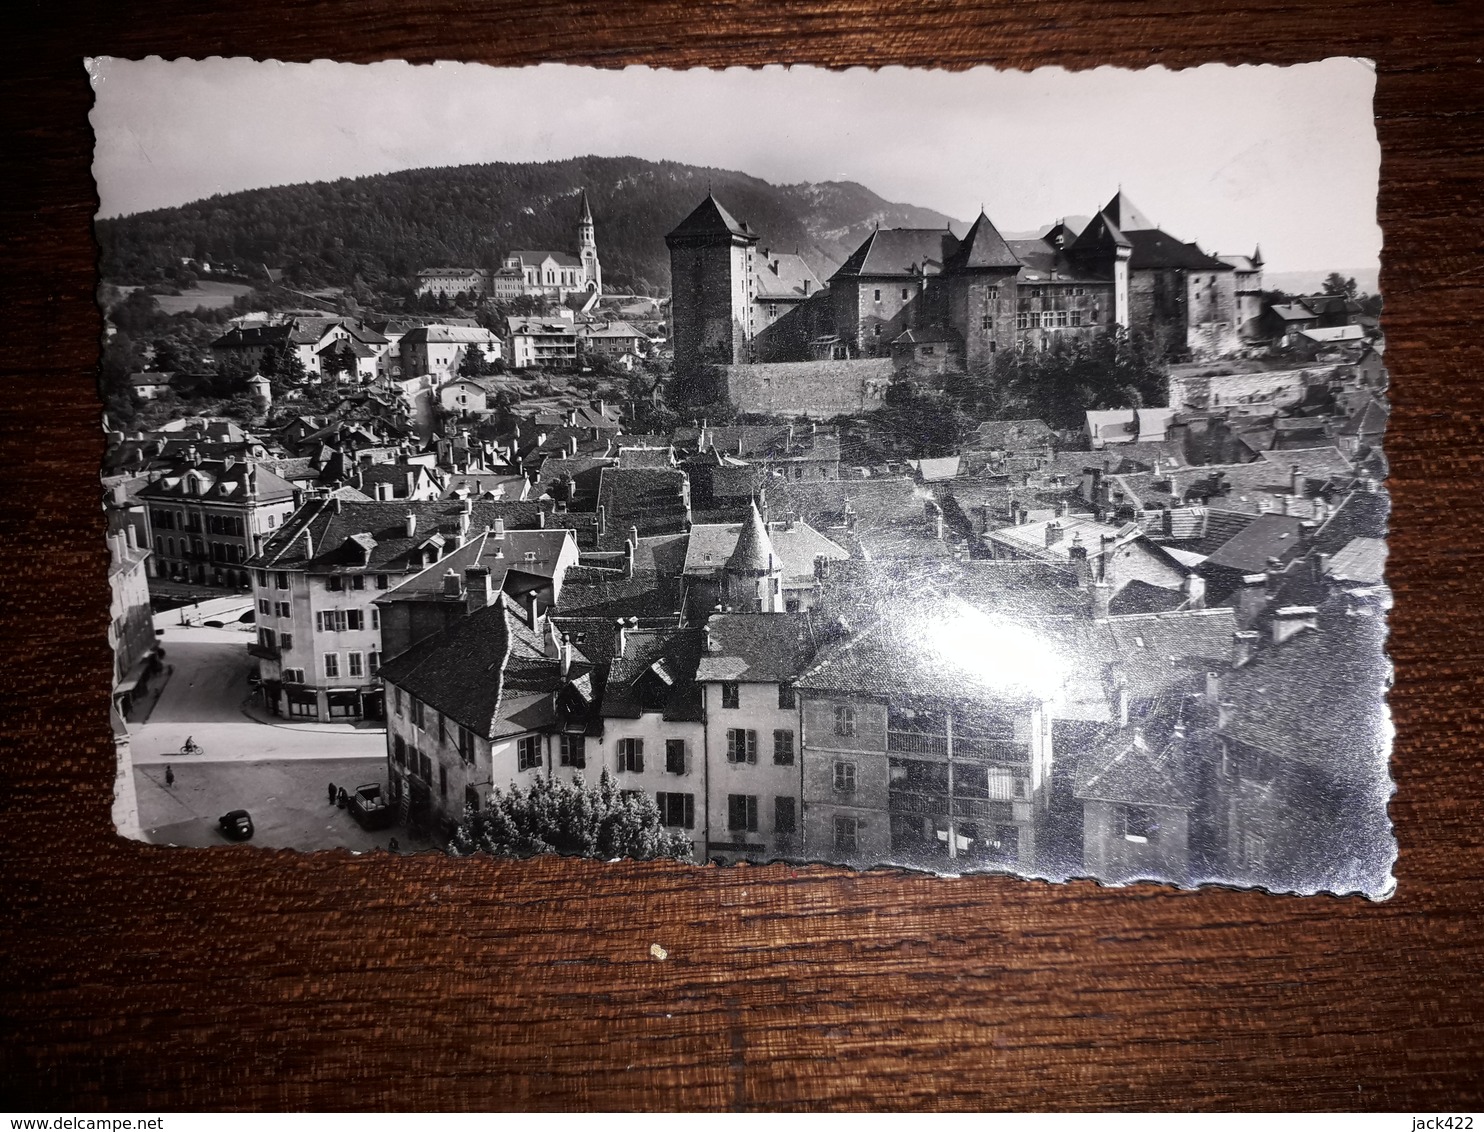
1124, 213
982, 249
752, 580
712, 283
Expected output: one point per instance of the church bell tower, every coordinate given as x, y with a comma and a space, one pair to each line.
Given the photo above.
587, 248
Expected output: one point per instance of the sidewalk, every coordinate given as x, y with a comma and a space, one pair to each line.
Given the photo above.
255, 712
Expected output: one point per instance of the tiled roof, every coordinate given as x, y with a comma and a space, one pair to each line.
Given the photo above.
1362, 560
658, 667
898, 252
1100, 235
757, 647
331, 531
1126, 214
441, 334
1155, 250
782, 275
712, 545
213, 482
1128, 769
488, 672
653, 499
982, 248
531, 257
1141, 597
709, 218
1267, 536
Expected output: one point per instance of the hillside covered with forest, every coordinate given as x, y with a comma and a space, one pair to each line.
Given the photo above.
382, 229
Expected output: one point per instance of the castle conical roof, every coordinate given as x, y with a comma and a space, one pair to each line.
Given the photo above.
754, 553
983, 247
1126, 215
710, 219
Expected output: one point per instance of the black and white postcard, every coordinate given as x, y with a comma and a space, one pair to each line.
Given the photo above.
965, 472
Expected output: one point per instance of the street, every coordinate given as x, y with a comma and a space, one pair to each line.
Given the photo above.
276, 770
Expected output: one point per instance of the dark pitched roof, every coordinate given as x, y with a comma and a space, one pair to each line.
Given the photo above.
757, 647
1154, 250
1100, 235
1267, 536
982, 248
1129, 769
653, 499
899, 252
488, 672
656, 671
1139, 596
1126, 214
709, 218
212, 481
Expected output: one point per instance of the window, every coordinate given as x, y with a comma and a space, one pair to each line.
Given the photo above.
355, 619
904, 294
305, 709
528, 753
355, 664
731, 695
373, 662
471, 798
381, 581
1061, 318
741, 745
987, 322
786, 696
283, 609
1022, 321
293, 676
674, 756
1138, 824
844, 720
1077, 317
1035, 292
281, 580
631, 755
845, 777
424, 767
375, 618
785, 816
332, 664
443, 782
418, 710
267, 638
334, 583
783, 748
676, 810
397, 701
399, 751
878, 294
265, 607
1048, 318
262, 574
358, 581
742, 813
464, 741
847, 834
574, 751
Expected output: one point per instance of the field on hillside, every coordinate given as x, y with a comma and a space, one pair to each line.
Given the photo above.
207, 293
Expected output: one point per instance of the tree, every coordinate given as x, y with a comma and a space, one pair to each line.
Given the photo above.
922, 423
474, 363
578, 820
1337, 284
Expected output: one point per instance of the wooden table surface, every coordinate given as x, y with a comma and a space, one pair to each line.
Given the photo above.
144, 978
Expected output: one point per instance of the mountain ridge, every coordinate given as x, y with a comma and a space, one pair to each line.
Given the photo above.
385, 227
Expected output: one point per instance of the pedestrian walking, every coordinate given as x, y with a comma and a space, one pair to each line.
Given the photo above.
169, 776
332, 793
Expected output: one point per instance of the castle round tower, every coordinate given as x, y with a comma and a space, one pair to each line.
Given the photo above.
752, 580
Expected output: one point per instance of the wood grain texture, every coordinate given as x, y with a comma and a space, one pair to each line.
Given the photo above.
144, 978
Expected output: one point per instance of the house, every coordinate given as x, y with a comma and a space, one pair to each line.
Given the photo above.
149, 385
1123, 426
1137, 796
651, 727
789, 551
207, 518
455, 283
550, 343
613, 339
480, 705
926, 740
747, 669
1315, 340
653, 500
316, 580
131, 625
439, 350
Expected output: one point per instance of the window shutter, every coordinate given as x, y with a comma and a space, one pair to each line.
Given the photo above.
752, 746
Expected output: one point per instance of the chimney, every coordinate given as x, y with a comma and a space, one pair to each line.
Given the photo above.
541, 520
130, 540
566, 656
571, 446
452, 589
628, 559
1319, 562
1244, 644
1061, 509
634, 535
1274, 576
1307, 527
602, 519
1120, 702
1298, 482
409, 525
411, 484
477, 588
338, 504
620, 638
1291, 620
308, 544
499, 531
1077, 553
1195, 591
1053, 532
1213, 689
533, 610
1102, 597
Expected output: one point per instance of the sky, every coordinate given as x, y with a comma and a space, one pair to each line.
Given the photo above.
1231, 157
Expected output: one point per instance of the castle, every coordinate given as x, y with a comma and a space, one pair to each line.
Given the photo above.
926, 297
526, 271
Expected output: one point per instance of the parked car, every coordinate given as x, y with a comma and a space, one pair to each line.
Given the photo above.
236, 825
368, 805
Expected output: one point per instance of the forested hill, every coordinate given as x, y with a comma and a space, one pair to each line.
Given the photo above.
384, 228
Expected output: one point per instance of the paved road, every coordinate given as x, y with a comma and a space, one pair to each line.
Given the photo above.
204, 698
287, 801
